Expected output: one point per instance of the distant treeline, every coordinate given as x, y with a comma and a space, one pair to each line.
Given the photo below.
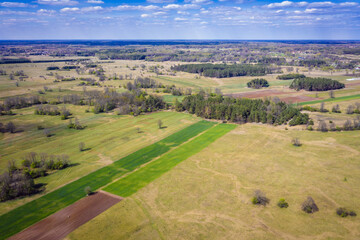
26, 60
241, 110
312, 63
355, 51
223, 70
316, 84
290, 76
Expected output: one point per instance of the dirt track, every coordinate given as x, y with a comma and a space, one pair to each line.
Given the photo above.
63, 222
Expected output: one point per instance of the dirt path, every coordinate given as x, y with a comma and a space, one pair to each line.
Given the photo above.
63, 222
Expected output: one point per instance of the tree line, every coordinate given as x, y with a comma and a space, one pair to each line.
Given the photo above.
316, 84
223, 70
19, 181
215, 106
290, 76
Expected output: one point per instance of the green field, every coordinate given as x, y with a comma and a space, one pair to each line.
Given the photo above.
208, 196
130, 184
30, 213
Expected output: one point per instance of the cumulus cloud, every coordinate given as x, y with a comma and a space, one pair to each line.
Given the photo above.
13, 4
58, 2
69, 10
95, 1
349, 4
180, 19
181, 7
145, 15
321, 4
160, 1
135, 7
46, 12
81, 10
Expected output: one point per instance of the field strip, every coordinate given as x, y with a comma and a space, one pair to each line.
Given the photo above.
63, 222
24, 216
130, 184
337, 99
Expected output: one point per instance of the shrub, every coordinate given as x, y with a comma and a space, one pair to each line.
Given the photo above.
282, 203
87, 190
81, 146
296, 142
258, 83
260, 198
309, 206
343, 212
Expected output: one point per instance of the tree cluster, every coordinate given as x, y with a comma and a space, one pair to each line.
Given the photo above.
18, 181
290, 76
241, 110
316, 84
223, 70
258, 83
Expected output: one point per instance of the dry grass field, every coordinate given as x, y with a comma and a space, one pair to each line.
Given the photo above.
209, 195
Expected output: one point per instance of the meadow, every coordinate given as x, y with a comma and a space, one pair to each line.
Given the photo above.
27, 214
208, 196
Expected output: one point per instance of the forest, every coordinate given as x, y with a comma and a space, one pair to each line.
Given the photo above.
316, 84
241, 110
223, 70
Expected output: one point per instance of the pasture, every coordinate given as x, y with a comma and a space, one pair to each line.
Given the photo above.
208, 196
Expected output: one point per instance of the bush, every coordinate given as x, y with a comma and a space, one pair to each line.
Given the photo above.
88, 190
296, 142
309, 206
258, 83
282, 203
81, 146
343, 212
260, 198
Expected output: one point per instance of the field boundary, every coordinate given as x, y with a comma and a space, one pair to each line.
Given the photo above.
337, 99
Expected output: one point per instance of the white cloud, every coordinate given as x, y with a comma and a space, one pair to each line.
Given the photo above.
58, 2
237, 8
311, 10
180, 19
179, 6
280, 5
81, 10
321, 4
67, 10
199, 1
46, 12
349, 4
135, 7
145, 15
13, 4
160, 1
95, 1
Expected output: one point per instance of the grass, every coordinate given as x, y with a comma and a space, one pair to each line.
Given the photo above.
32, 212
208, 196
132, 183
336, 99
109, 137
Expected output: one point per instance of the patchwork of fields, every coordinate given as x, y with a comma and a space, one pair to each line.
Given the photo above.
24, 216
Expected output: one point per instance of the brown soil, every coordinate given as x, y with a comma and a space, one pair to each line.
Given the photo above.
259, 94
63, 222
297, 99
291, 97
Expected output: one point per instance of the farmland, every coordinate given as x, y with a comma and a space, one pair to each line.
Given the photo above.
183, 150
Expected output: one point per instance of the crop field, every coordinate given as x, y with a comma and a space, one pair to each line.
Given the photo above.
137, 131
108, 137
131, 183
27, 214
208, 196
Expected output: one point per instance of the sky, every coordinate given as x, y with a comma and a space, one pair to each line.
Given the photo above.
179, 19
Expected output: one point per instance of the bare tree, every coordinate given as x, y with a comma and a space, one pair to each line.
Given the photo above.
331, 94
160, 124
81, 146
309, 206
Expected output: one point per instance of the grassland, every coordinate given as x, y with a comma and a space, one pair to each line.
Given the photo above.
108, 137
208, 196
130, 184
30, 213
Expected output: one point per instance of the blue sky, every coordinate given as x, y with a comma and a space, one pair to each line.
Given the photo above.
175, 19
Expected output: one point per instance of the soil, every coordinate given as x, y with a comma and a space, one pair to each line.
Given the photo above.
63, 222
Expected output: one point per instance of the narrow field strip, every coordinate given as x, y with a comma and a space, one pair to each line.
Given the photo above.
32, 212
337, 99
130, 184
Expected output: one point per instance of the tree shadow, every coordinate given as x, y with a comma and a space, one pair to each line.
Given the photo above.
86, 149
162, 127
